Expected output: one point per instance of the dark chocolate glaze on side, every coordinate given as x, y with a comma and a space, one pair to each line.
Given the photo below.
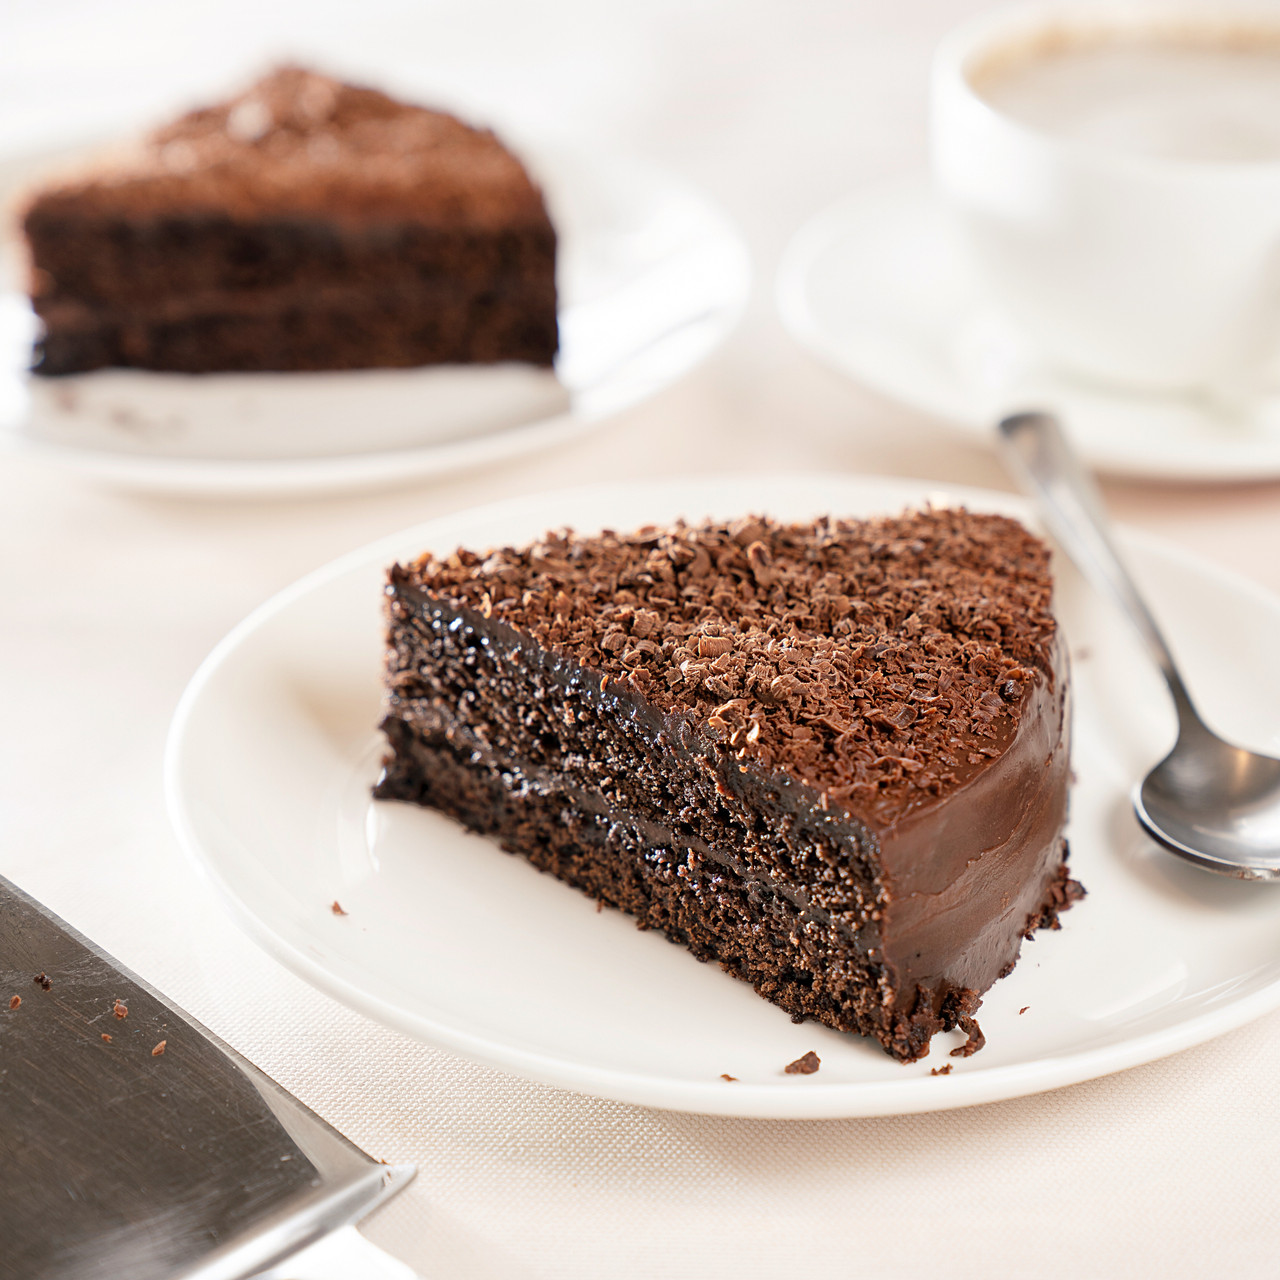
969, 876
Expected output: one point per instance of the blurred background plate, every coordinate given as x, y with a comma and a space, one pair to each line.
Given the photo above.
651, 278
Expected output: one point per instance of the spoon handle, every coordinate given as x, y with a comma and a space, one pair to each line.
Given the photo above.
1037, 453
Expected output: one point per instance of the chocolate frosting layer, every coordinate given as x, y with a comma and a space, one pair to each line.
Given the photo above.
880, 662
300, 144
978, 866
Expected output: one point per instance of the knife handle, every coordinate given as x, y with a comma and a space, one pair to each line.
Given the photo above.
341, 1255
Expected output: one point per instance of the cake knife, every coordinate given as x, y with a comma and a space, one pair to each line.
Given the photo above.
134, 1142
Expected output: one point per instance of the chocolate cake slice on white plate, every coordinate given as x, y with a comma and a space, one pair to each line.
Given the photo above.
832, 757
304, 225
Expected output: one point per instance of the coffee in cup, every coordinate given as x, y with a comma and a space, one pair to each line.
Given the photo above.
1117, 176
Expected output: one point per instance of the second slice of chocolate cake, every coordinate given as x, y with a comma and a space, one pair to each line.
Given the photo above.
832, 757
303, 225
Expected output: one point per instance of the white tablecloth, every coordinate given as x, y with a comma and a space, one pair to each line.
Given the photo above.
108, 602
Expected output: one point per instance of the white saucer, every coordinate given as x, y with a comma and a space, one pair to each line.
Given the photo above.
273, 751
651, 277
879, 286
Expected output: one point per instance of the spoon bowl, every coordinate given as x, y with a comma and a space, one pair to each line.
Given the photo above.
1213, 803
1216, 804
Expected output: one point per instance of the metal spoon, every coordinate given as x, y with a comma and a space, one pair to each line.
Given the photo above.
1212, 803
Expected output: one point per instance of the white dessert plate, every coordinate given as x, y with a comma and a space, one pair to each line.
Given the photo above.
273, 751
651, 277
879, 286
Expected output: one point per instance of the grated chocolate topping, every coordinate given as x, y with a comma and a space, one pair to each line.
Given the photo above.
881, 662
299, 143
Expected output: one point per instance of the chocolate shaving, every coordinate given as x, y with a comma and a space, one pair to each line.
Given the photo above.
337, 908
42, 981
941, 1071
724, 1075
969, 1025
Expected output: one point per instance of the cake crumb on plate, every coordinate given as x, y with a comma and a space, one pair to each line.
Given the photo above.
805, 1066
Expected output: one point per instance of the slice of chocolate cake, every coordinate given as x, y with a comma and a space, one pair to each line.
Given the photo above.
832, 757
304, 225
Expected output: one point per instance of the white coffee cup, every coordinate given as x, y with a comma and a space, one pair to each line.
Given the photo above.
1155, 272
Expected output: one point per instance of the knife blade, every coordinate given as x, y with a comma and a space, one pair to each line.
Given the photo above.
134, 1142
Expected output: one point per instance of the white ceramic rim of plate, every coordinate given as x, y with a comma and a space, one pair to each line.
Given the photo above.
345, 472
816, 1100
962, 413
710, 321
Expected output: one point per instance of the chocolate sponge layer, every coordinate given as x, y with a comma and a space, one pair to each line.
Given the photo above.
291, 330
791, 955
